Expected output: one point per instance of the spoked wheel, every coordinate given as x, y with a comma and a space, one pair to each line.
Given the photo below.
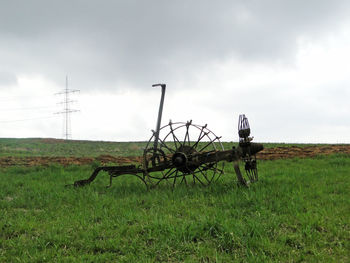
178, 144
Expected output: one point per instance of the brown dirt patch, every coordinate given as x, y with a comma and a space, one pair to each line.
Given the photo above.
51, 140
45, 161
266, 154
301, 152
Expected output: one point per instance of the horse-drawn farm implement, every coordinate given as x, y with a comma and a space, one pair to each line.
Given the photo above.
184, 153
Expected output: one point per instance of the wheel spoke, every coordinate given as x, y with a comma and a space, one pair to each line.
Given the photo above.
218, 169
186, 135
204, 175
215, 171
204, 168
166, 176
211, 167
218, 177
169, 173
174, 136
211, 142
194, 176
162, 143
184, 178
174, 182
200, 137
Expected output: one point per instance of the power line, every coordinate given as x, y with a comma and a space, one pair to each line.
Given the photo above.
28, 108
38, 118
11, 98
66, 109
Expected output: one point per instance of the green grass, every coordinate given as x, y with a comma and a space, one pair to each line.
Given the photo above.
299, 211
54, 147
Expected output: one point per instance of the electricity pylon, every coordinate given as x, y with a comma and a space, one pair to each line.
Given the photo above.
66, 109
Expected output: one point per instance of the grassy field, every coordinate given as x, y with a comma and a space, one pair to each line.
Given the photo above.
56, 147
299, 211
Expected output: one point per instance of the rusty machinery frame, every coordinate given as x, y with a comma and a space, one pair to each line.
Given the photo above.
176, 159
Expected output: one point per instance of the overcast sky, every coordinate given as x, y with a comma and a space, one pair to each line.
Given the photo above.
285, 64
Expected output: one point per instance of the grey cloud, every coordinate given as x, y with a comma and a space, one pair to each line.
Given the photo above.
105, 44
7, 79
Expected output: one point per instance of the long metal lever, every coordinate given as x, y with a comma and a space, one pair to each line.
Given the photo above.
156, 134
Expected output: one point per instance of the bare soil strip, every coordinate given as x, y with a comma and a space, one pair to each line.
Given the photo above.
301, 152
266, 154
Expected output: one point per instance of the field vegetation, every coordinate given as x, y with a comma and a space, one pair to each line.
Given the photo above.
57, 147
299, 211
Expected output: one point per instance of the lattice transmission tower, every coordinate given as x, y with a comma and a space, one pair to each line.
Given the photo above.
67, 110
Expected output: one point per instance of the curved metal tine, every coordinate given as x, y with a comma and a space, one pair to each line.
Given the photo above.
211, 142
240, 123
254, 175
194, 176
249, 175
200, 137
162, 143
174, 136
